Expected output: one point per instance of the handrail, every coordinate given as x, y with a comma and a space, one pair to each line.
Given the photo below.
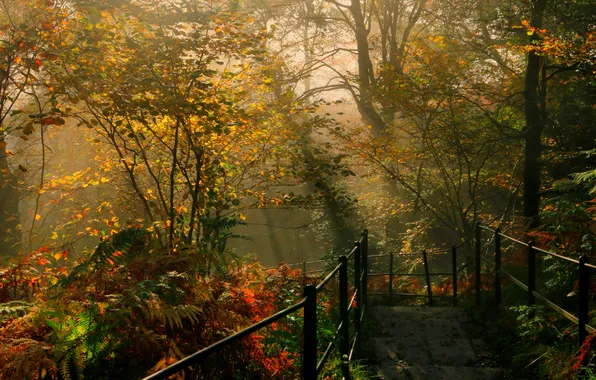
296, 264
426, 273
487, 260
310, 366
314, 262
583, 269
541, 250
353, 346
487, 228
184, 363
381, 255
549, 303
514, 240
569, 259
376, 274
329, 346
356, 247
583, 283
429, 252
332, 274
352, 300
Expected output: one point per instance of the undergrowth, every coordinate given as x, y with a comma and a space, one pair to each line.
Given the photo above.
129, 310
531, 342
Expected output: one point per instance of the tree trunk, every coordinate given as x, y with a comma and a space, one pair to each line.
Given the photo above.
365, 100
534, 124
9, 208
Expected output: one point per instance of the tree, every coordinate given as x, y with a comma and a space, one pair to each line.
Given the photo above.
193, 127
27, 33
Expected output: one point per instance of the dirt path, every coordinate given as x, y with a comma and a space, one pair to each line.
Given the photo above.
426, 343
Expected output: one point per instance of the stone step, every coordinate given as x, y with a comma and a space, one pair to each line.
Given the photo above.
426, 343
422, 350
435, 372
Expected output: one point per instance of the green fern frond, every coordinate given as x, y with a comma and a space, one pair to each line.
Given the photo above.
130, 242
588, 179
172, 316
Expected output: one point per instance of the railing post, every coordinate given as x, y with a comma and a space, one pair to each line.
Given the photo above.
391, 277
583, 284
309, 332
304, 273
454, 270
426, 273
344, 316
477, 262
357, 286
531, 273
365, 268
498, 266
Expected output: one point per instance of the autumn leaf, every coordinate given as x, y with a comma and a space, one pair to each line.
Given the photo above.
43, 261
52, 120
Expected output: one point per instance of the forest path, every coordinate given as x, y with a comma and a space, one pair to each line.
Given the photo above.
427, 343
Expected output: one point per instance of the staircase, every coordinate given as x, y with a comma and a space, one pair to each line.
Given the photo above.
427, 343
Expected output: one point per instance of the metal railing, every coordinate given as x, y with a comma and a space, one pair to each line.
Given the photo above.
427, 274
312, 365
582, 273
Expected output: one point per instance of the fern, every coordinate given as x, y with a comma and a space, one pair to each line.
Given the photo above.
171, 315
129, 243
587, 179
173, 355
13, 309
28, 359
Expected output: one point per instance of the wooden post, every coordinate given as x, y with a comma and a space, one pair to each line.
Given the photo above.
531, 273
584, 284
309, 334
344, 343
498, 266
427, 274
391, 277
454, 270
477, 262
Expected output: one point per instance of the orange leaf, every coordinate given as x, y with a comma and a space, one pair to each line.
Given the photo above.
47, 121
43, 261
